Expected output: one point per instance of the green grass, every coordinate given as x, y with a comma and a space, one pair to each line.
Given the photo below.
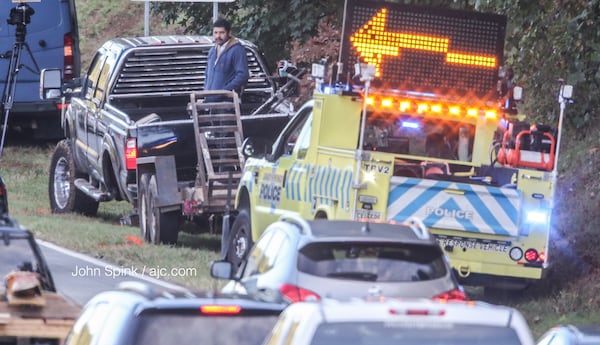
25, 172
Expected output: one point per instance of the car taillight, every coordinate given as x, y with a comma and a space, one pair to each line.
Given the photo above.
131, 154
452, 295
220, 309
293, 293
68, 57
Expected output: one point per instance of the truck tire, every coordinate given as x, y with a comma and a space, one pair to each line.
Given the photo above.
143, 209
162, 227
64, 196
240, 239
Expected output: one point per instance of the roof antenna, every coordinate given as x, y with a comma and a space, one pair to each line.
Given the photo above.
365, 228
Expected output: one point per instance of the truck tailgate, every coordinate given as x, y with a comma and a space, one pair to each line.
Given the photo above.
169, 138
455, 206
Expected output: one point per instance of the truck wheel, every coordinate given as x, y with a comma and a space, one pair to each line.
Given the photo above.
64, 196
144, 210
162, 227
241, 239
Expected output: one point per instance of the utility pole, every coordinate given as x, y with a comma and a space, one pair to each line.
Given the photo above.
147, 10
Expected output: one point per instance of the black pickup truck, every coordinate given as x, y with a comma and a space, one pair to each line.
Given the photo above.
135, 131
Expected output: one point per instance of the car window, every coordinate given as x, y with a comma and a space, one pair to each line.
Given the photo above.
381, 262
114, 322
93, 74
256, 254
279, 244
303, 142
287, 140
16, 255
411, 333
158, 329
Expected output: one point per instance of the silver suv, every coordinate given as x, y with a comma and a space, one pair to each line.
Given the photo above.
296, 260
406, 322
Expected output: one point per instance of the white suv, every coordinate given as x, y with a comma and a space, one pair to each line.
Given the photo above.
407, 322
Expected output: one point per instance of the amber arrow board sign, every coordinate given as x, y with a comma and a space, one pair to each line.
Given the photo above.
425, 49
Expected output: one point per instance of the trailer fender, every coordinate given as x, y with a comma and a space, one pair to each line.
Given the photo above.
164, 169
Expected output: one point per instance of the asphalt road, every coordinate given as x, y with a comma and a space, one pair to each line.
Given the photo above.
79, 277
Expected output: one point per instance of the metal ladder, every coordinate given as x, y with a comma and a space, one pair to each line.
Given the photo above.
219, 135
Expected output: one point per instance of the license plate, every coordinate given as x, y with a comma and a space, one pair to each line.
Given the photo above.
367, 214
486, 246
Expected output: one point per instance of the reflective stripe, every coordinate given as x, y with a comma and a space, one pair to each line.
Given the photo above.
456, 206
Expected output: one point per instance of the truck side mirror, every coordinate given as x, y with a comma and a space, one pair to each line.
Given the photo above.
51, 83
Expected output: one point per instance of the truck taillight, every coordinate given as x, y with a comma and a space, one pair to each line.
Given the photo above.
68, 57
131, 154
531, 255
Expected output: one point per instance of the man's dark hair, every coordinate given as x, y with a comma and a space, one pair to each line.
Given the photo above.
222, 23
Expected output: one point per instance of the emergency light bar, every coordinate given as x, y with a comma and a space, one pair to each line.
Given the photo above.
422, 107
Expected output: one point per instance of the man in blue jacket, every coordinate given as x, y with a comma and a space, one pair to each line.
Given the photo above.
227, 67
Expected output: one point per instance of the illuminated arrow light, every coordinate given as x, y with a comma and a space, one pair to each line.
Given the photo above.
372, 43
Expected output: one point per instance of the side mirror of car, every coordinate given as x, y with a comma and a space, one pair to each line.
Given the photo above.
221, 269
51, 83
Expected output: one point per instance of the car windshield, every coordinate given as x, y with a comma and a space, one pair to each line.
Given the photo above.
16, 254
418, 136
381, 262
413, 333
215, 330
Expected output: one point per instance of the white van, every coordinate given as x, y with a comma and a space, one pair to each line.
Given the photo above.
35, 35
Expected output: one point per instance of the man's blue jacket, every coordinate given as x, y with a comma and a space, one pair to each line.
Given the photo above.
230, 72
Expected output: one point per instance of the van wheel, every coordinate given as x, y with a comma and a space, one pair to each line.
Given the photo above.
64, 196
161, 227
144, 210
241, 239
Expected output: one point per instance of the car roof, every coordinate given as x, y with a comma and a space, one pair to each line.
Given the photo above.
126, 43
584, 333
414, 311
392, 309
143, 298
349, 230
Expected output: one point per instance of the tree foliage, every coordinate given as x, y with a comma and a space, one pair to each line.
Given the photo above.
546, 41
271, 24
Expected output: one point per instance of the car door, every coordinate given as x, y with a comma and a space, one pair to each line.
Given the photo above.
96, 121
279, 184
86, 116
